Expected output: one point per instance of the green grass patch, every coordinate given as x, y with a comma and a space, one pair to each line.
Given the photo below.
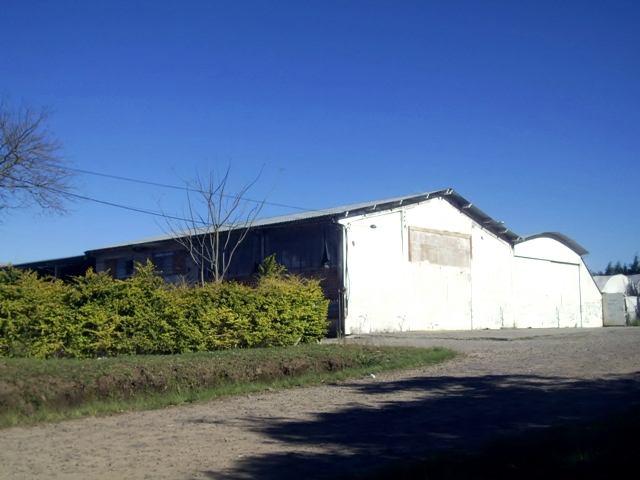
37, 390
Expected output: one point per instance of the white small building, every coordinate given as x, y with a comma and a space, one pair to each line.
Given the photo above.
618, 283
620, 298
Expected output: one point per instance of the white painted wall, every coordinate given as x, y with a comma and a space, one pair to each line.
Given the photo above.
375, 274
545, 294
492, 266
632, 304
387, 292
560, 284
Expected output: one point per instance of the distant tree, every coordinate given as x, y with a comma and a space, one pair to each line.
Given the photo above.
633, 289
31, 168
632, 268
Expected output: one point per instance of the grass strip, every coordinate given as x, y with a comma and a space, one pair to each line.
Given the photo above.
37, 390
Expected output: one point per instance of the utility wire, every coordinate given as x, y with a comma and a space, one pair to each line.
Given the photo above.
144, 182
124, 207
108, 203
176, 187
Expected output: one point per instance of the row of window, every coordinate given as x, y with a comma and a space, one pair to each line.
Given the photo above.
166, 263
301, 249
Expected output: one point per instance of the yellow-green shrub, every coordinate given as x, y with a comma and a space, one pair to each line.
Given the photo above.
96, 315
34, 316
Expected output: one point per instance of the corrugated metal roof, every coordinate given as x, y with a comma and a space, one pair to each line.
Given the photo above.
449, 194
51, 261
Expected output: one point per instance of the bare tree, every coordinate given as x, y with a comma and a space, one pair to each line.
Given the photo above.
216, 223
31, 168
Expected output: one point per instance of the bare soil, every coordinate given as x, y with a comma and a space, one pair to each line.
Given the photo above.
506, 382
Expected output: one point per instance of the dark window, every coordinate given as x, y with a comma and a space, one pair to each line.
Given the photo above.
119, 267
128, 267
180, 262
302, 248
246, 256
163, 262
111, 266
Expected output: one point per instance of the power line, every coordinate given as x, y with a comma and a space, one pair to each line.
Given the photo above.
176, 187
122, 206
108, 203
146, 182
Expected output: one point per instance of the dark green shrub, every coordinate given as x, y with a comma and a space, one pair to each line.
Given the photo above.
271, 268
96, 315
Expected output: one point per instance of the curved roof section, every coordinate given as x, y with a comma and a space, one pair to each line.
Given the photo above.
612, 283
562, 238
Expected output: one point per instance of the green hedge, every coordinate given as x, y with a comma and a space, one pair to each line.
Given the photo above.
95, 315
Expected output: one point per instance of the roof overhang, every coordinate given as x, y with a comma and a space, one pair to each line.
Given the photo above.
450, 195
52, 262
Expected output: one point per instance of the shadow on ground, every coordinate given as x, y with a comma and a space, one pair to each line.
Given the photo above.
441, 413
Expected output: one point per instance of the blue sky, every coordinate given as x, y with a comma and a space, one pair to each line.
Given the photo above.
529, 109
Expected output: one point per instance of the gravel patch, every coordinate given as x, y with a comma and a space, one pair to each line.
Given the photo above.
504, 382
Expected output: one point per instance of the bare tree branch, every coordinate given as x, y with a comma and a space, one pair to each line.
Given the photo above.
31, 168
216, 224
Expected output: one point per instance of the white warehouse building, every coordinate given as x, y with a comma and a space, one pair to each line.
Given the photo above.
431, 261
441, 264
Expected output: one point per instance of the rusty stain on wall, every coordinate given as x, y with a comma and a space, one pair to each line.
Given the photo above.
440, 248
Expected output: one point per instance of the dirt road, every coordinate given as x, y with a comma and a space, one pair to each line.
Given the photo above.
506, 382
